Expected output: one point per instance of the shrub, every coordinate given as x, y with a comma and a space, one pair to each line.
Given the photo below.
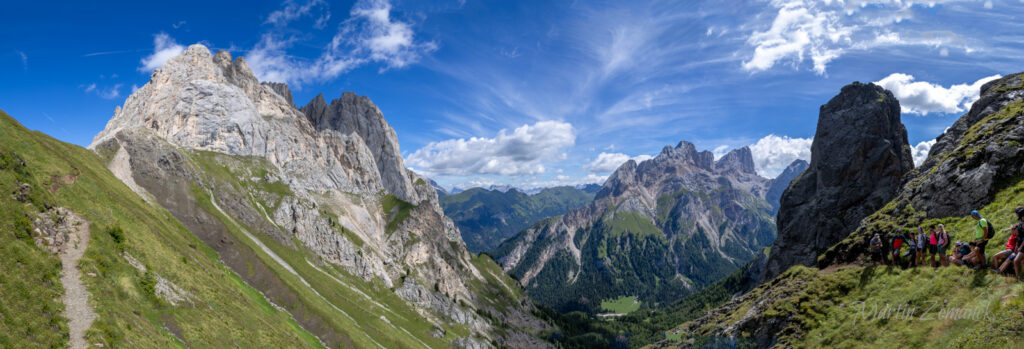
148, 284
117, 234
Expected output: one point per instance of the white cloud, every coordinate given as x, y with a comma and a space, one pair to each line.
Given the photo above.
105, 93
371, 34
825, 30
164, 48
387, 40
799, 30
920, 151
608, 162
292, 11
720, 151
270, 61
920, 97
521, 151
773, 153
24, 60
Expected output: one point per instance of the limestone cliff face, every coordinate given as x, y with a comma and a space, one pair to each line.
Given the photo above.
328, 179
680, 217
859, 158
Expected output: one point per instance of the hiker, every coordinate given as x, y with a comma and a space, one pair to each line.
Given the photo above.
922, 246
1011, 247
943, 245
960, 252
1018, 260
1004, 259
933, 243
895, 245
981, 235
876, 250
911, 251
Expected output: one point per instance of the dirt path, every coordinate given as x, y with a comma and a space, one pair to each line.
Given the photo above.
76, 298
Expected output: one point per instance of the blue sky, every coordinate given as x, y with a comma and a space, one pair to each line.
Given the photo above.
533, 93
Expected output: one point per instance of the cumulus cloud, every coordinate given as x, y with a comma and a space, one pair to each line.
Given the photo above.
164, 48
608, 162
522, 151
920, 151
920, 97
825, 30
370, 34
773, 153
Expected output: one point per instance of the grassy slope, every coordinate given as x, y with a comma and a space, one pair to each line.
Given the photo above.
821, 305
838, 308
226, 313
331, 290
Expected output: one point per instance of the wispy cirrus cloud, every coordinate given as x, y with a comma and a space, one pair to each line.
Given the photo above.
24, 59
372, 34
822, 31
292, 11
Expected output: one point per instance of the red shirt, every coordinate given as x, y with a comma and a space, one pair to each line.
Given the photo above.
1012, 244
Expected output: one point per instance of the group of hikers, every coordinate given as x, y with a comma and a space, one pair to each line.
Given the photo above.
933, 245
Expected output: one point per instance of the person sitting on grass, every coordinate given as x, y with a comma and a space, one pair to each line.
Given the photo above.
981, 232
895, 245
960, 252
1011, 247
943, 245
876, 250
1014, 251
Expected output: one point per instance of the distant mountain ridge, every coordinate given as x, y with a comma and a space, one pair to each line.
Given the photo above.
657, 230
487, 217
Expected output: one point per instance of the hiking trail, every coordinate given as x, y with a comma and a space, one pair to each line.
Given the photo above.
76, 298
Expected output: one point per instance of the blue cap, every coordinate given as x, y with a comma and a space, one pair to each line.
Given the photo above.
975, 213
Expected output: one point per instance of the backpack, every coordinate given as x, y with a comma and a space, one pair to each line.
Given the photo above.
991, 231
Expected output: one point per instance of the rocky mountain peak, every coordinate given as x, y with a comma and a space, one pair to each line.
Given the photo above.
740, 160
352, 114
859, 158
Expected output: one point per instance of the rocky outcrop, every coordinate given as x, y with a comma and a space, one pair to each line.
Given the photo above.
972, 161
680, 217
779, 184
859, 158
969, 159
224, 152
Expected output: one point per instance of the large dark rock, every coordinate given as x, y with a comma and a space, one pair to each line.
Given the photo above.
779, 184
859, 158
973, 160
